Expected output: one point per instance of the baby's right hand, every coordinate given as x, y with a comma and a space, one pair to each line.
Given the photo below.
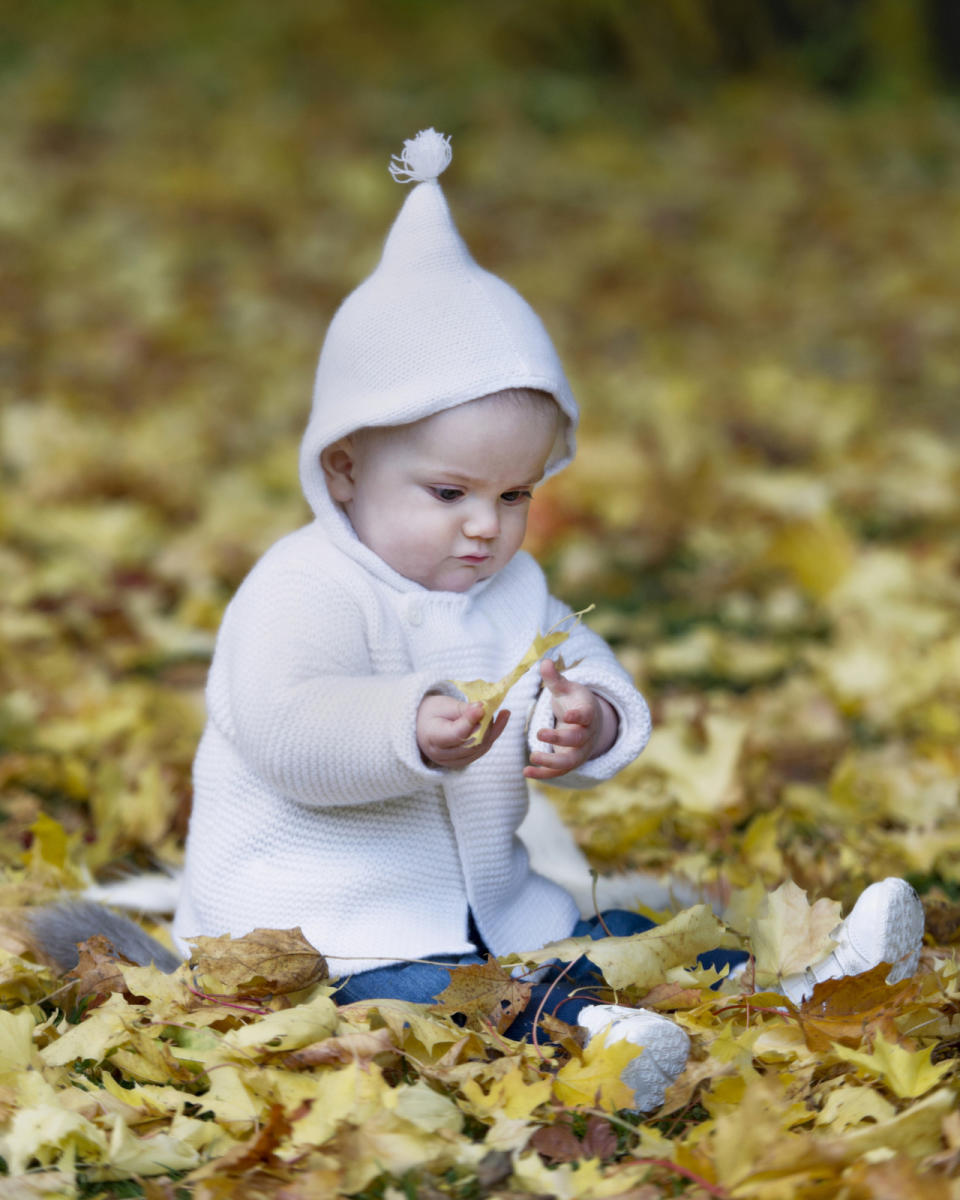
445, 725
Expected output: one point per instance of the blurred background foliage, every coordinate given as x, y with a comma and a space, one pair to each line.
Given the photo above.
739, 221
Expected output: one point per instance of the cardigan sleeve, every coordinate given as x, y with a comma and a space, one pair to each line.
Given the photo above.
293, 690
598, 669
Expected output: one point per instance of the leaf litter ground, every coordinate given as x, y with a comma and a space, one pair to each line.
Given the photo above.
765, 508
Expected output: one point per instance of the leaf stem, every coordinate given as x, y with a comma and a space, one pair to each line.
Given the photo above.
542, 1004
219, 1000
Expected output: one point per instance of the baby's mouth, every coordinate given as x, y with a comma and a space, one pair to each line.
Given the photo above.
473, 559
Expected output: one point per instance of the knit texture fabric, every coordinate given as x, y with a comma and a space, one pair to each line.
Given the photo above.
429, 329
312, 805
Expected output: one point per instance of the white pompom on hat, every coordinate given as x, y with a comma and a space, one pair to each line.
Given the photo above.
428, 330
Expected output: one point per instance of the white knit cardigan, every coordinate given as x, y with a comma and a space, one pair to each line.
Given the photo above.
312, 805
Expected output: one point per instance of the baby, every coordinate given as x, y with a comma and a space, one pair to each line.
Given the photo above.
339, 785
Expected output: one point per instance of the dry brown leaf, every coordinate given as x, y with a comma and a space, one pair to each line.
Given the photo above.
347, 1047
263, 962
557, 1143
568, 1037
599, 1138
257, 1151
99, 969
669, 997
848, 1010
485, 993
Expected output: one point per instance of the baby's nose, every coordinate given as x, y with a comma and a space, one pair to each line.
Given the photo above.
482, 521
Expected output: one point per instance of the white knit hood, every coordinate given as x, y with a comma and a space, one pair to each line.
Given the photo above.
428, 330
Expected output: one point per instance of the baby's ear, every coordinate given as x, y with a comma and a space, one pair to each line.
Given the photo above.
338, 461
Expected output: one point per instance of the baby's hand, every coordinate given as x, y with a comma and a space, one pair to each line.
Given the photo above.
586, 727
445, 725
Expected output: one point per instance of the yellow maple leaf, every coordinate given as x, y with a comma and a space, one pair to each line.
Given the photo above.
104, 1029
849, 1106
907, 1073
425, 1108
47, 1133
49, 842
593, 1081
789, 934
492, 695
17, 1051
511, 1096
288, 1029
916, 1131
642, 959
353, 1093
702, 775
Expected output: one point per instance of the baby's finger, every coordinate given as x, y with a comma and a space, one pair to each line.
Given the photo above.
555, 683
564, 735
496, 728
461, 727
574, 716
449, 733
549, 766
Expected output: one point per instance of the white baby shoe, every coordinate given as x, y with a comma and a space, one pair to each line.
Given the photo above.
885, 925
665, 1048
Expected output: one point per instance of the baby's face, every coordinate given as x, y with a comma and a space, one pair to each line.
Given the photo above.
444, 501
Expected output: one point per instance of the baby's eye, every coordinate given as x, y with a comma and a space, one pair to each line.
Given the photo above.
516, 496
447, 494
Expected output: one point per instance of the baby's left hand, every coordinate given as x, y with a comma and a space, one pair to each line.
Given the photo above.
586, 727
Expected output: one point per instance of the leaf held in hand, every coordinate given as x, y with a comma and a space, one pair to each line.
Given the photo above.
492, 695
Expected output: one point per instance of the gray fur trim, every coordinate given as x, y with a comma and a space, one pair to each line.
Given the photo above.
58, 928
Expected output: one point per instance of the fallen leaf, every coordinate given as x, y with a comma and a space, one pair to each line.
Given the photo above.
848, 1009
258, 1150
850, 1105
104, 1029
263, 962
788, 934
593, 1080
942, 921
99, 969
514, 1094
907, 1073
599, 1138
486, 994
289, 1029
347, 1047
669, 997
898, 1178
642, 959
556, 1143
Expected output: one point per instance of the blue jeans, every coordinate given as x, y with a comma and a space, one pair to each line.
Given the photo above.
423, 982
